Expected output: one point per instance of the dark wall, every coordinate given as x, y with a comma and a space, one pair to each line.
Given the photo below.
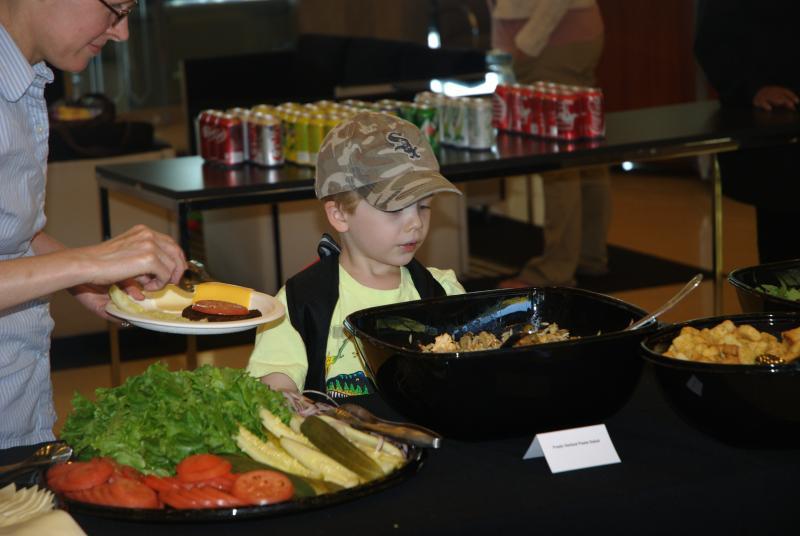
647, 60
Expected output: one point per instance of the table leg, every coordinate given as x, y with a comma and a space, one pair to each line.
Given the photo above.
116, 370
113, 327
716, 230
191, 352
276, 232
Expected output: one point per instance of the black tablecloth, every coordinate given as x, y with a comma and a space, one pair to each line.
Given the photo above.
672, 480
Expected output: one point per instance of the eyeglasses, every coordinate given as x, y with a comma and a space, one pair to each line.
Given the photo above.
119, 13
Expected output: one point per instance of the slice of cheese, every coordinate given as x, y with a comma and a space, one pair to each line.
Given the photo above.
222, 292
171, 298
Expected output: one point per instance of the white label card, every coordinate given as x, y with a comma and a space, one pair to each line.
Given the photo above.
576, 448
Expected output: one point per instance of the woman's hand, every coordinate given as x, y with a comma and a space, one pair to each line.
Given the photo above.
152, 259
770, 96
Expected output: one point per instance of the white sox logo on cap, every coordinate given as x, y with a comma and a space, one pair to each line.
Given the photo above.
401, 143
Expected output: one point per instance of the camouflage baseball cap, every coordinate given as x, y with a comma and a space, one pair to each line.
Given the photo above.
384, 158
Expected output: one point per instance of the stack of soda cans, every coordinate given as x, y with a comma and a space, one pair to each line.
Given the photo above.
239, 135
463, 122
292, 132
549, 110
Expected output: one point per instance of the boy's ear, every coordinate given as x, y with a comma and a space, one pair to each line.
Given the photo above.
336, 217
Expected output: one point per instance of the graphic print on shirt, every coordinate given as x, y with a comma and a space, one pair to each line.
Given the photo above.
350, 384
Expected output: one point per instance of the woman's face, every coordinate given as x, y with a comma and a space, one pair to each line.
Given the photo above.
69, 33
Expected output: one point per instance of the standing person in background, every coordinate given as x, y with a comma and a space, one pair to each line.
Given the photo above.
750, 52
66, 34
560, 41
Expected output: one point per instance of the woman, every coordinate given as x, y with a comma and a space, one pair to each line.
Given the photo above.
65, 34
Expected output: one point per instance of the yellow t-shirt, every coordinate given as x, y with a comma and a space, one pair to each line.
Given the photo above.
279, 347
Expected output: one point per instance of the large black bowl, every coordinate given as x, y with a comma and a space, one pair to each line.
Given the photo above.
748, 280
747, 405
506, 391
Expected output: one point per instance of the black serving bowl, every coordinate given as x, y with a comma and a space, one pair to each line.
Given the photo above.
745, 405
748, 280
511, 391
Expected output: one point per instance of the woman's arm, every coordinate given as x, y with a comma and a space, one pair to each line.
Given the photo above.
142, 255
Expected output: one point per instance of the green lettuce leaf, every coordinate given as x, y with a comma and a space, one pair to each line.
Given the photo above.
156, 419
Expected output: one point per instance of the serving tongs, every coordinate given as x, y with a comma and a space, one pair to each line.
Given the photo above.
43, 456
361, 418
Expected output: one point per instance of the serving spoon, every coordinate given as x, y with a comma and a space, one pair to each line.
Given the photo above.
669, 304
44, 455
522, 329
361, 417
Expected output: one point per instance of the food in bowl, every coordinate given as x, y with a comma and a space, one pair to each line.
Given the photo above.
781, 291
727, 343
505, 391
485, 340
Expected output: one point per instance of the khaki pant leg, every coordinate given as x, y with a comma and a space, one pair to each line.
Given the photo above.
562, 230
595, 220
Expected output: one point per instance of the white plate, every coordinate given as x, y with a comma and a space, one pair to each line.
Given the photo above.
271, 309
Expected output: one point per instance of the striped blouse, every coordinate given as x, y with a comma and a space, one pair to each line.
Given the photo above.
26, 399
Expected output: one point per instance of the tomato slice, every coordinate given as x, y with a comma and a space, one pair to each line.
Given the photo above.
199, 467
132, 494
85, 475
200, 497
224, 482
219, 307
55, 476
263, 487
162, 483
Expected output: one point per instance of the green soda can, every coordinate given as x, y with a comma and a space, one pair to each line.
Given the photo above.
428, 123
408, 111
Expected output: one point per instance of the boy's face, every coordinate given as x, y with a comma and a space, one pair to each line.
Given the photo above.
388, 238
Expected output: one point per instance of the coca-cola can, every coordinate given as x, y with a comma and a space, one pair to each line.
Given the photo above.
501, 109
531, 111
519, 114
264, 137
568, 112
549, 114
230, 150
594, 125
481, 132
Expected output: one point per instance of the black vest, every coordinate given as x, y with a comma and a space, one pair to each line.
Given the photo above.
311, 297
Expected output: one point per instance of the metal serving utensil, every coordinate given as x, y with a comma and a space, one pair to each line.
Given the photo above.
364, 419
43, 456
669, 304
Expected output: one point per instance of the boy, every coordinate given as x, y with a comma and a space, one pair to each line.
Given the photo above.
375, 176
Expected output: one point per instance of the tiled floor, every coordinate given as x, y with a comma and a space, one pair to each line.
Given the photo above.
665, 216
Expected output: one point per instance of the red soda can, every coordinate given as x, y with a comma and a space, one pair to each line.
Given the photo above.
594, 121
532, 102
209, 135
549, 114
567, 116
501, 110
231, 150
516, 115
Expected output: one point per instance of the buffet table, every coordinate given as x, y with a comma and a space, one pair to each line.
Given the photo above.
672, 480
